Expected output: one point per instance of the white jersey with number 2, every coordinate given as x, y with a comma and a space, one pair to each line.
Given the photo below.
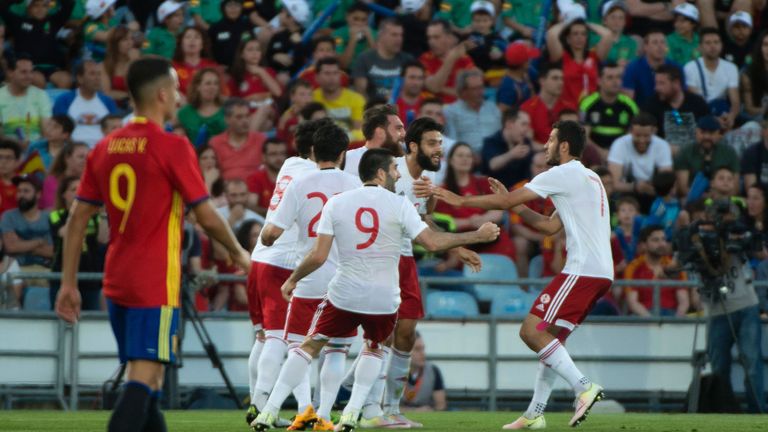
581, 203
368, 225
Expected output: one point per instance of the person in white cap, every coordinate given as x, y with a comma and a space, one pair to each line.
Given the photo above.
739, 38
97, 29
161, 40
623, 47
684, 42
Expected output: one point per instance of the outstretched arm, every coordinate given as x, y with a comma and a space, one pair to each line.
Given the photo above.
437, 241
496, 201
549, 225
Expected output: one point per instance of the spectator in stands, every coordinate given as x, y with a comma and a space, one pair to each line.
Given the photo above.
120, 53
251, 81
26, 232
284, 51
754, 79
313, 111
34, 35
425, 389
704, 156
161, 40
567, 43
638, 81
193, 53
652, 265
459, 179
23, 107
471, 118
523, 17
97, 28
236, 211
629, 223
635, 158
94, 244
70, 162
111, 122
343, 105
238, 149
412, 92
203, 116
457, 13
754, 160
209, 167
516, 86
623, 47
227, 33
485, 45
322, 47
356, 36
507, 154
206, 12
9, 159
724, 186
57, 133
444, 60
666, 208
739, 39
714, 78
376, 70
300, 93
86, 104
261, 184
545, 107
756, 216
677, 110
684, 42
416, 15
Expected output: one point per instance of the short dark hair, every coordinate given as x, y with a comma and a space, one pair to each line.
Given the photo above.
9, 144
323, 39
545, 69
510, 115
643, 118
377, 117
108, 117
292, 87
672, 71
65, 122
308, 111
80, 68
648, 231
441, 23
330, 142
328, 61
663, 182
610, 64
233, 103
14, 60
145, 71
653, 31
417, 129
574, 134
394, 22
628, 199
411, 64
372, 161
708, 31
269, 142
304, 135
358, 6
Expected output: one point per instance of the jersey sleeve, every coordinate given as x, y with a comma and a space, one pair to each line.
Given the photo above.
286, 213
410, 220
325, 226
185, 173
546, 184
88, 190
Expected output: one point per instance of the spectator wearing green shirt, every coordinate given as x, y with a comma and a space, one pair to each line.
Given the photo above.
161, 40
624, 48
337, 18
522, 16
355, 37
457, 12
23, 107
203, 116
205, 12
684, 42
98, 27
704, 156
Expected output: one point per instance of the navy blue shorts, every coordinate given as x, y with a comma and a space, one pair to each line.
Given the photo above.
145, 333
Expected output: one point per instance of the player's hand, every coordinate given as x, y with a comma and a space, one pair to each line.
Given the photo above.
470, 258
287, 289
422, 187
447, 196
242, 259
489, 232
68, 304
497, 187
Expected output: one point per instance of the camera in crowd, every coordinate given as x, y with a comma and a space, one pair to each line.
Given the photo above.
707, 246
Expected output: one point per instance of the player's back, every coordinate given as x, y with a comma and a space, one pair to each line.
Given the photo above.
369, 224
352, 160
144, 176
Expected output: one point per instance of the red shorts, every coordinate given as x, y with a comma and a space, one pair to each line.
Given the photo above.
270, 279
411, 305
567, 300
254, 304
332, 322
301, 312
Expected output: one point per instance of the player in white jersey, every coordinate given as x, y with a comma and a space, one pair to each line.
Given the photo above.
382, 128
301, 207
582, 209
367, 225
271, 266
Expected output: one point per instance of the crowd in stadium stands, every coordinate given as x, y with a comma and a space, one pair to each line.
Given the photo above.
673, 95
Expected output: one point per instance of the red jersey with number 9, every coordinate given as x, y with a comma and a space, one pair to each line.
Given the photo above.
144, 176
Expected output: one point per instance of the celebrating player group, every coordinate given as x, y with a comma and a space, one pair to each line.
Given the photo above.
335, 255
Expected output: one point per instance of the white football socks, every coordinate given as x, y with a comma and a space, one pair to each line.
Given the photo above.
271, 359
556, 356
397, 377
253, 367
294, 371
545, 381
366, 374
331, 375
372, 406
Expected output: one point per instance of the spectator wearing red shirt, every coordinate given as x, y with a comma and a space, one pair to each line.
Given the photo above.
250, 80
261, 184
9, 160
545, 107
444, 60
412, 92
193, 53
300, 93
567, 42
652, 265
460, 180
237, 149
322, 47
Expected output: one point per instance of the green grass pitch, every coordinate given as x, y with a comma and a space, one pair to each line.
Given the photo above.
465, 421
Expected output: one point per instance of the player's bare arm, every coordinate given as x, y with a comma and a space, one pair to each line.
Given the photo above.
549, 225
313, 261
435, 241
68, 299
495, 201
217, 227
270, 234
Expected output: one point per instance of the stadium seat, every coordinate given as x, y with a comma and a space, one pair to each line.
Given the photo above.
36, 299
451, 304
494, 267
515, 303
536, 267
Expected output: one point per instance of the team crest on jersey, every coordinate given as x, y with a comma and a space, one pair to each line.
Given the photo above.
544, 299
